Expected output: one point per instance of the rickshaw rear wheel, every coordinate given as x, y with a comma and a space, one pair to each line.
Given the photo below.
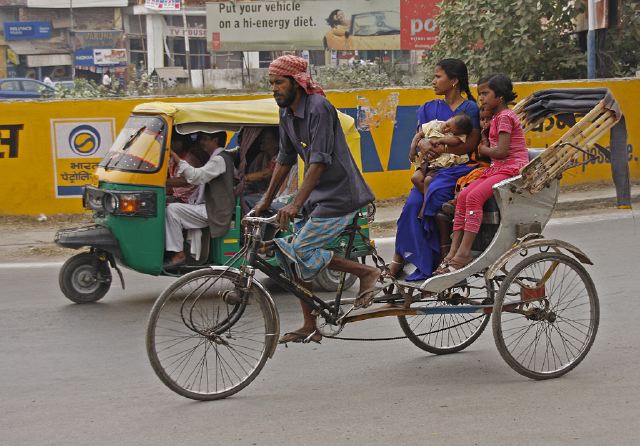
546, 315
207, 339
446, 333
85, 278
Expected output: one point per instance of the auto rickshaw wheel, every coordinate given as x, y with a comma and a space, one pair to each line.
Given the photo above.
329, 279
85, 278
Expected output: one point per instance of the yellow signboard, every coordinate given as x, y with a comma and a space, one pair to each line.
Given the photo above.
12, 57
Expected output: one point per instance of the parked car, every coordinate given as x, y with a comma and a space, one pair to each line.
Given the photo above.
18, 88
67, 85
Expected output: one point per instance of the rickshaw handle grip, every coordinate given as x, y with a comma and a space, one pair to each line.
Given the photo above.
249, 218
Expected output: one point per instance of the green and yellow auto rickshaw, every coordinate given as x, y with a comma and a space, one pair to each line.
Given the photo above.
129, 197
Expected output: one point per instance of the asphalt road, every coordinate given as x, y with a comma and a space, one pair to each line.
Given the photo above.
78, 374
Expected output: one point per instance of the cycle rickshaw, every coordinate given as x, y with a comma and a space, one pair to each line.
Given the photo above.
210, 333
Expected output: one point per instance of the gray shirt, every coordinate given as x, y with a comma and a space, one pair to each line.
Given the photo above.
314, 133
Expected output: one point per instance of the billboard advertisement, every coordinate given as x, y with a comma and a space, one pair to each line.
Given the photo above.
332, 24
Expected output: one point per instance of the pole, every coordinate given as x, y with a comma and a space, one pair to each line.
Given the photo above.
186, 42
591, 41
72, 42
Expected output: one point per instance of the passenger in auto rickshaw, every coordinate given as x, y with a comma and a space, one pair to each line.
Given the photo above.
214, 205
181, 145
260, 166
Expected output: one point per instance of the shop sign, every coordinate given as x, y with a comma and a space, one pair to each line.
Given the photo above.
27, 30
13, 57
114, 56
83, 57
196, 33
163, 5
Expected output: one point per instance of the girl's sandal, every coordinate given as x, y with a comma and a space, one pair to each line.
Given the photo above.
441, 268
451, 266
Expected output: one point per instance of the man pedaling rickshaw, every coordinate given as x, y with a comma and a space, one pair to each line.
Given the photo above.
332, 192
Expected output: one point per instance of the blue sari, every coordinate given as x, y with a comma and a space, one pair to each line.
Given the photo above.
418, 239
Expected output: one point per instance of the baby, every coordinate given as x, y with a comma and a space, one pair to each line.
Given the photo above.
449, 133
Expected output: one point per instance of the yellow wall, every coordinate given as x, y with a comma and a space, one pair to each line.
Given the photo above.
29, 163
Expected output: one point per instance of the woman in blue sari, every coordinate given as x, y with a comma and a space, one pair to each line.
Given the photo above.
418, 239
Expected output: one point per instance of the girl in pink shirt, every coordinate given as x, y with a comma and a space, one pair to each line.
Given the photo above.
508, 152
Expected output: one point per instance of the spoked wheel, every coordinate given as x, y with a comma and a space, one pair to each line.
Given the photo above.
546, 316
449, 332
207, 340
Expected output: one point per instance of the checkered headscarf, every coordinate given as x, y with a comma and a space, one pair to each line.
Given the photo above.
296, 67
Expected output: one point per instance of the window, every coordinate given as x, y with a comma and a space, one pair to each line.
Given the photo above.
138, 147
31, 86
10, 86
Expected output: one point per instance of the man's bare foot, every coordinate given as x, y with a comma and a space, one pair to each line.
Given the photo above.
367, 284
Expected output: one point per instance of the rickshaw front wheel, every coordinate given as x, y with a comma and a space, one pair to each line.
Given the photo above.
85, 278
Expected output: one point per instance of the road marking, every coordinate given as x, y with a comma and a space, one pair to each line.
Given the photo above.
30, 265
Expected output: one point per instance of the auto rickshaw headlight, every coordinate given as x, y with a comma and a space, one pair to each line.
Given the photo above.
131, 204
110, 203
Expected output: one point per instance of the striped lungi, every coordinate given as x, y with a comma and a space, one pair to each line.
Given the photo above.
303, 252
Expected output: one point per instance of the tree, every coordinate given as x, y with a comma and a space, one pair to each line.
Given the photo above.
620, 55
527, 40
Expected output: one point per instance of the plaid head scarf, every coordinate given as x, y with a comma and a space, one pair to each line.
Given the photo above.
296, 67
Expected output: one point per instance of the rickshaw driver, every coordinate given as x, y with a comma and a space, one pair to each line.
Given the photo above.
332, 192
215, 204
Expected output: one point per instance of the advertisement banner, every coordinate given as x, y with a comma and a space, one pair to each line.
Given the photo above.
27, 30
114, 56
419, 30
331, 24
78, 146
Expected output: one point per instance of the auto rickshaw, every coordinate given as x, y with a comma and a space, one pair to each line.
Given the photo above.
129, 199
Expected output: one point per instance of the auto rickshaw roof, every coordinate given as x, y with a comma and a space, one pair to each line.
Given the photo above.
242, 112
211, 116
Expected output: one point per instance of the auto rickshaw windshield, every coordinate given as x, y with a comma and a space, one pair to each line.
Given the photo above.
139, 146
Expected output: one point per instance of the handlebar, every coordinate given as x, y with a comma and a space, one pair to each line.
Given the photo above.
249, 218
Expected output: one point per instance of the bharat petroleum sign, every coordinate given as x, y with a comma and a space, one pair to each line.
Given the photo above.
84, 140
78, 146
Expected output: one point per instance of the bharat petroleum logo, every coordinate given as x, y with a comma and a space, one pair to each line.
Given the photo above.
84, 140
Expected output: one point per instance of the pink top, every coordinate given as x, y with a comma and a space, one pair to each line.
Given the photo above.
507, 121
183, 193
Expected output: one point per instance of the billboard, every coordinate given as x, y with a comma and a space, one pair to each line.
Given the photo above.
332, 24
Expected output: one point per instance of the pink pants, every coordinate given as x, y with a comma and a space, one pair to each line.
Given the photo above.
469, 204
